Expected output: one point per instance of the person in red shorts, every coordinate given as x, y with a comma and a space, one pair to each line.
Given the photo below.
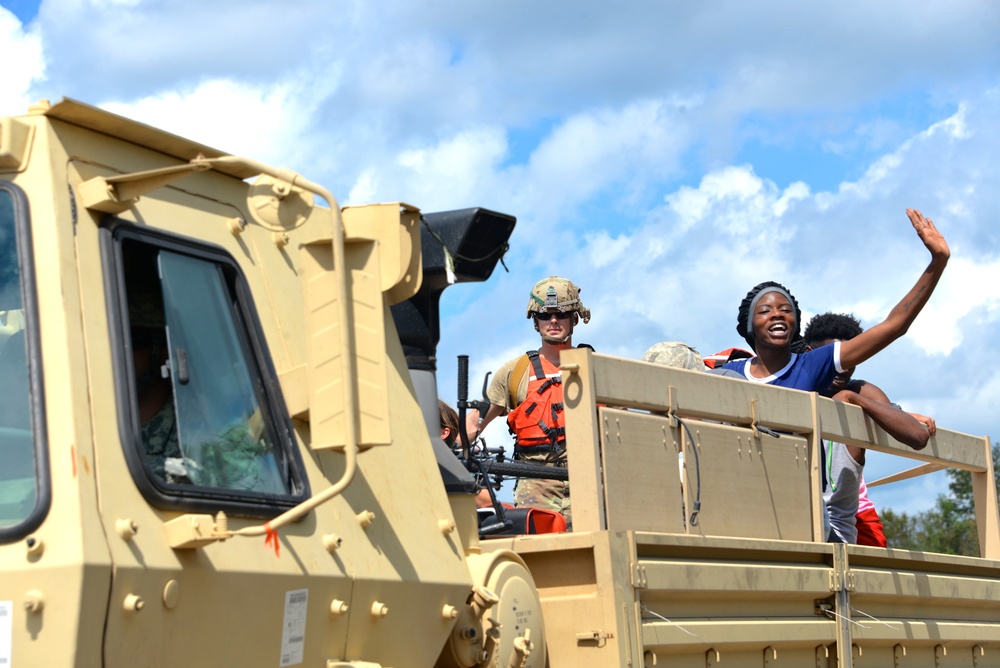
869, 524
852, 514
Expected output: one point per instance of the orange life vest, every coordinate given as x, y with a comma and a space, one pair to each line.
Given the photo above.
723, 356
538, 420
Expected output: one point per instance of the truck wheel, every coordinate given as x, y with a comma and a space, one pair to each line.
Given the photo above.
519, 611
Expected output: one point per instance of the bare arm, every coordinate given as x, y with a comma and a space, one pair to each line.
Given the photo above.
472, 424
493, 412
496, 394
928, 422
875, 339
900, 425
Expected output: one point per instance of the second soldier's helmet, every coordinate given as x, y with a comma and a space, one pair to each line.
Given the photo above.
556, 294
676, 354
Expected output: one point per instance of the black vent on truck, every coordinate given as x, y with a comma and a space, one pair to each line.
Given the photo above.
476, 239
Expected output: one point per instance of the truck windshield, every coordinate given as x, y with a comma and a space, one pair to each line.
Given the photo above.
19, 483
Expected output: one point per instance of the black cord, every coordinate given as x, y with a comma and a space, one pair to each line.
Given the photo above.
693, 520
502, 250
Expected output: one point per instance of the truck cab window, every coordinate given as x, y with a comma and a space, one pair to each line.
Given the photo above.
23, 471
200, 412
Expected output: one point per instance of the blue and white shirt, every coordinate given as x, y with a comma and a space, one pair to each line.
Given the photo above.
812, 371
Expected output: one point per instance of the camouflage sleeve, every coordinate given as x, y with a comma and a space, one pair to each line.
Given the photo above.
162, 449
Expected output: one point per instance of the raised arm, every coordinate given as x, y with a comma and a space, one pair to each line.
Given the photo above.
875, 339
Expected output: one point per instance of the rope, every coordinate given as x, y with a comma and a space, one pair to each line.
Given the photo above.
874, 619
833, 613
647, 611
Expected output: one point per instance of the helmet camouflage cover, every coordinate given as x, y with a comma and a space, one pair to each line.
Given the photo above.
556, 294
675, 354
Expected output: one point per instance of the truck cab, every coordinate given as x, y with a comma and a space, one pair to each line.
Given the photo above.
211, 447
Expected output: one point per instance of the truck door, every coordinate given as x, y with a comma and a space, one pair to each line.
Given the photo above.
202, 430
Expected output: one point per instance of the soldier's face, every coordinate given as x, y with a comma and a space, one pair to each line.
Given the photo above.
554, 324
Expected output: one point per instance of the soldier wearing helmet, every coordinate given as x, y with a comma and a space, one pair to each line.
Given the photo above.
528, 389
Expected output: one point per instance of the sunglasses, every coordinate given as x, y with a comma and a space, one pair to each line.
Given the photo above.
548, 315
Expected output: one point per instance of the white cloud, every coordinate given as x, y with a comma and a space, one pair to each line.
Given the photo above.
969, 289
603, 250
954, 126
590, 150
682, 273
137, 48
457, 169
264, 122
364, 188
113, 4
24, 64
616, 135
736, 201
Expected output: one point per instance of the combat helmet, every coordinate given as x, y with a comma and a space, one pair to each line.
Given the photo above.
556, 294
676, 354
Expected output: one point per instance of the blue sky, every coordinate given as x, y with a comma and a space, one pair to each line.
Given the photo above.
24, 10
665, 156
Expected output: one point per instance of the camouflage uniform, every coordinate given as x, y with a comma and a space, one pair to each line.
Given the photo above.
161, 447
531, 492
548, 295
548, 494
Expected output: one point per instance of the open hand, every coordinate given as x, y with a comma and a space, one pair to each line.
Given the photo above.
929, 234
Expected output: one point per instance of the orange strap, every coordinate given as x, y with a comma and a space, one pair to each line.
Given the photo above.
272, 539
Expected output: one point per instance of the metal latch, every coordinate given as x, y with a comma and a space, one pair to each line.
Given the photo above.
192, 531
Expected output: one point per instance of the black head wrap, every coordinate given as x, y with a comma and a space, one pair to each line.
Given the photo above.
743, 319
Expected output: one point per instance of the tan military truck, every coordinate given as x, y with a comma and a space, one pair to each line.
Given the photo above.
218, 447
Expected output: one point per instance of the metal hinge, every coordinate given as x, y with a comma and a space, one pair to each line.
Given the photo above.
847, 584
639, 577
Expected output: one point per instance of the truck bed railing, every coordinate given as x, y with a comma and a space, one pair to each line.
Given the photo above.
748, 455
